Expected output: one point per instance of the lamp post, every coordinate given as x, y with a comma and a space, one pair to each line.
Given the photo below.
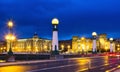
111, 45
10, 38
94, 49
55, 49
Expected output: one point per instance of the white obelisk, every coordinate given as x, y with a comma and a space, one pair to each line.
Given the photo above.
55, 23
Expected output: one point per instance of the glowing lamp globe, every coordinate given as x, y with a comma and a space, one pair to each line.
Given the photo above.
10, 24
94, 34
111, 39
55, 21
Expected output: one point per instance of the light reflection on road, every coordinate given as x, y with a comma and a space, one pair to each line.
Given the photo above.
2, 61
86, 63
14, 69
78, 65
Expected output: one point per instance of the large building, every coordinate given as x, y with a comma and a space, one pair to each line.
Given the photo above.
84, 45
3, 46
31, 45
81, 44
75, 45
65, 46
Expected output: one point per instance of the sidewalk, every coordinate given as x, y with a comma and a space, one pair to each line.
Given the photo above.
40, 61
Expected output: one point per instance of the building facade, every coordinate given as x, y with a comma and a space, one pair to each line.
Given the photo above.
3, 46
31, 45
75, 45
84, 45
81, 44
65, 46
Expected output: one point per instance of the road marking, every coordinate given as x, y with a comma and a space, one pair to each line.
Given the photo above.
41, 61
52, 68
69, 66
61, 67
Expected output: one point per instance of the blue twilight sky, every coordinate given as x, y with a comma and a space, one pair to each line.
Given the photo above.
77, 17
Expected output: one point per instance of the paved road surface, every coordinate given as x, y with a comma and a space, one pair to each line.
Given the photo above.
94, 64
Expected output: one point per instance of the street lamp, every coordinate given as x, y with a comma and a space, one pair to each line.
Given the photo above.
55, 49
10, 24
94, 34
111, 46
10, 38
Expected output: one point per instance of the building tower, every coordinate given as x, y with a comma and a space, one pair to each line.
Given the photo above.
55, 23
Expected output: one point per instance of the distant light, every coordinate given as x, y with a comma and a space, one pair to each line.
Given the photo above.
55, 21
10, 37
10, 24
111, 39
94, 34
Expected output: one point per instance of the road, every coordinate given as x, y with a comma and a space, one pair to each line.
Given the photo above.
92, 64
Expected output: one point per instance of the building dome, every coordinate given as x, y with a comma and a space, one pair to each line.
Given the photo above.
55, 21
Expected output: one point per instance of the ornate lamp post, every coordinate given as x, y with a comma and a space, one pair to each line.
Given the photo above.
55, 45
111, 45
94, 50
10, 38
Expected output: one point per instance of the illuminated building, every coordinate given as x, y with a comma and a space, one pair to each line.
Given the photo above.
117, 45
83, 45
2, 46
31, 45
65, 46
75, 45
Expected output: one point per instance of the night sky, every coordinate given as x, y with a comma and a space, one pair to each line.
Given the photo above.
77, 17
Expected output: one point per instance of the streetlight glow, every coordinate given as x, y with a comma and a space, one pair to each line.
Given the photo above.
10, 37
111, 39
94, 34
13, 37
55, 21
10, 24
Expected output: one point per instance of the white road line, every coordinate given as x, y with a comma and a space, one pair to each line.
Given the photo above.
64, 66
52, 68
